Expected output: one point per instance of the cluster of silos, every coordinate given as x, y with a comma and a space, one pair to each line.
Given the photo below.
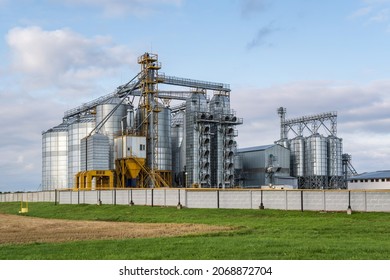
61, 145
316, 161
195, 146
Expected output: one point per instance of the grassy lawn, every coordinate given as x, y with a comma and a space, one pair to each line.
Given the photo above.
258, 234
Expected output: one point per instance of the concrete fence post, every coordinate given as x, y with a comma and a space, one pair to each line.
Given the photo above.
261, 200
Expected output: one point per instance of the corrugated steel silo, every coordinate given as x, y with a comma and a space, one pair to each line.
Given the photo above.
316, 155
297, 148
164, 159
335, 165
178, 141
55, 158
95, 152
316, 162
78, 128
112, 127
335, 147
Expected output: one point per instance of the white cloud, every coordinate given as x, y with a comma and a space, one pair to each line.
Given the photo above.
49, 72
361, 12
113, 8
63, 57
373, 12
381, 16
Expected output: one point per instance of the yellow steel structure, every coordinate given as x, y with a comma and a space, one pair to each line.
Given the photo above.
146, 171
104, 180
132, 168
149, 105
129, 168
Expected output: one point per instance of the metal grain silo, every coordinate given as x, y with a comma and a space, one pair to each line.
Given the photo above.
78, 128
94, 152
335, 170
55, 158
297, 148
164, 160
316, 162
335, 147
112, 126
164, 145
178, 147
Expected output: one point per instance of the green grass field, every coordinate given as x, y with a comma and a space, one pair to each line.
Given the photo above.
258, 234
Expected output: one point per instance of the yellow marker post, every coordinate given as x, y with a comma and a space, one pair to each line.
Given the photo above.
23, 210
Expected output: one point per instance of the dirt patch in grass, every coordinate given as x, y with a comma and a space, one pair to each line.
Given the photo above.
23, 229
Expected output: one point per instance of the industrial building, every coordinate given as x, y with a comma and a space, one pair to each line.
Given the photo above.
134, 137
143, 136
264, 166
378, 180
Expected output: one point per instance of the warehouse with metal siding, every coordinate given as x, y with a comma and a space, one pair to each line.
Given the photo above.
378, 180
258, 162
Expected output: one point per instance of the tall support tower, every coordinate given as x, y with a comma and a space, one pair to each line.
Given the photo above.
283, 128
150, 109
197, 127
222, 141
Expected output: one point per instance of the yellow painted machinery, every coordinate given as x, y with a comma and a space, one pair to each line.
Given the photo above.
94, 179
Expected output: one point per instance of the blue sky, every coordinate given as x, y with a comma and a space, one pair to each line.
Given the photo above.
308, 56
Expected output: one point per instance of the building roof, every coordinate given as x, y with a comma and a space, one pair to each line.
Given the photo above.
372, 175
256, 148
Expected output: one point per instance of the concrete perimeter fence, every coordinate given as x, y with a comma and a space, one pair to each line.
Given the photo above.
312, 200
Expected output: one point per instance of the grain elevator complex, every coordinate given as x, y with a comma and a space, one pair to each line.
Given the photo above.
135, 137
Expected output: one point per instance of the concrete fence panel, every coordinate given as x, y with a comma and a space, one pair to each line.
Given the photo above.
202, 199
378, 201
313, 200
293, 200
275, 199
235, 199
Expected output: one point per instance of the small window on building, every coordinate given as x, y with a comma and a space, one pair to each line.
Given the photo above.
372, 180
387, 179
142, 147
366, 180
